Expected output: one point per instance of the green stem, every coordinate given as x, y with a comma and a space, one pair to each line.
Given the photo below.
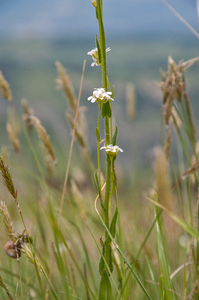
106, 120
98, 155
112, 185
102, 43
107, 192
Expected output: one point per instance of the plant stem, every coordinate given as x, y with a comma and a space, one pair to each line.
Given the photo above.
107, 192
98, 154
102, 43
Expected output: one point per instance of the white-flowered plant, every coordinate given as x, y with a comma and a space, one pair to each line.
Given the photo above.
112, 150
100, 95
95, 56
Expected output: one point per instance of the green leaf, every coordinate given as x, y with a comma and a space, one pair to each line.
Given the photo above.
112, 227
98, 49
165, 279
125, 259
3, 285
113, 223
114, 138
97, 135
188, 228
99, 191
106, 110
101, 263
110, 264
105, 291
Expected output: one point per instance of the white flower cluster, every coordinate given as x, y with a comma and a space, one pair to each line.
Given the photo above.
95, 56
112, 150
100, 95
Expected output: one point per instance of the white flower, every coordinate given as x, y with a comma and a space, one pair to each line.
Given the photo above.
112, 150
100, 95
95, 56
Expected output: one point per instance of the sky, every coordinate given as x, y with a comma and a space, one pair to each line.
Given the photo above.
51, 18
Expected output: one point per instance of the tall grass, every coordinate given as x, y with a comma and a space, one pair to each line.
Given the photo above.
75, 238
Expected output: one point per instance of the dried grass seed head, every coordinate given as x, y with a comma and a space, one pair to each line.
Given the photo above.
28, 253
44, 137
27, 113
4, 171
13, 129
162, 180
78, 133
4, 88
7, 221
64, 83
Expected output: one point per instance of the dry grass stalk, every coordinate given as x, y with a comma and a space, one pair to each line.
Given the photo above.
48, 161
4, 88
64, 83
192, 170
194, 160
28, 112
44, 137
71, 146
7, 221
181, 18
7, 179
190, 115
175, 118
78, 133
130, 101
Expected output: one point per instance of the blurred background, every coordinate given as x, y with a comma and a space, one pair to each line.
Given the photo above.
141, 35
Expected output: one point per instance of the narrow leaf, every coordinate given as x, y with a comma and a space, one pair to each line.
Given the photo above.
106, 110
99, 191
105, 292
97, 135
98, 49
113, 224
114, 138
101, 263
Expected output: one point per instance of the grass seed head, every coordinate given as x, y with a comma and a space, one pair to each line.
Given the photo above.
7, 221
4, 171
28, 253
78, 133
44, 137
4, 88
28, 112
13, 130
64, 83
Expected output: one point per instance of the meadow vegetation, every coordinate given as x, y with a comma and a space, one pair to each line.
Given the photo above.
80, 224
